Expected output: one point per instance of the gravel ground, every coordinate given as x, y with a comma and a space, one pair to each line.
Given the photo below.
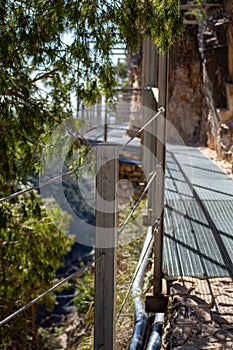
227, 167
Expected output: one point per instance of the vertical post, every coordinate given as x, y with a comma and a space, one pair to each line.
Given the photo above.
105, 125
106, 236
149, 79
160, 179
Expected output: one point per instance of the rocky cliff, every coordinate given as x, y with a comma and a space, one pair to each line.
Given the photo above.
187, 108
200, 96
201, 78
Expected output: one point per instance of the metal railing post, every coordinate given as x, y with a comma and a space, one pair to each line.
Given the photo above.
157, 302
106, 236
160, 180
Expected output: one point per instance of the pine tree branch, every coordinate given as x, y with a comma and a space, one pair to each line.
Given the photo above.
45, 75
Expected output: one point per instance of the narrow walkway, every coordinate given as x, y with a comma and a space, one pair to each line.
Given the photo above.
198, 216
198, 253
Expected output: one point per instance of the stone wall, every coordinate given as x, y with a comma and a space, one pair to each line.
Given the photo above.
213, 45
226, 128
134, 183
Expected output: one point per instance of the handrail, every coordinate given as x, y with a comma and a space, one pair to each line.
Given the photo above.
201, 6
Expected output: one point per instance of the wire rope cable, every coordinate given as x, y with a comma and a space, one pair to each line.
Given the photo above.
153, 174
141, 260
35, 300
80, 270
48, 182
160, 110
71, 172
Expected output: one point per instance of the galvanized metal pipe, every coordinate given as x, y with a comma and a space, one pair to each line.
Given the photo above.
141, 317
154, 342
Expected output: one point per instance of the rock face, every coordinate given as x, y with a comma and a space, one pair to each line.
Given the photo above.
131, 182
187, 108
201, 80
200, 96
214, 51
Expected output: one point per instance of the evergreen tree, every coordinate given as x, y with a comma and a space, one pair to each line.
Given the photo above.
48, 51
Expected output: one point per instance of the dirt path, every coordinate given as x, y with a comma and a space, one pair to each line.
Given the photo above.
223, 164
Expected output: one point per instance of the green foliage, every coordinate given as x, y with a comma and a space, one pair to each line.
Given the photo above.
31, 250
84, 300
159, 19
51, 337
50, 50
169, 23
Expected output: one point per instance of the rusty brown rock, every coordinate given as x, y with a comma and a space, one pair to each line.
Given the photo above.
186, 347
195, 322
203, 315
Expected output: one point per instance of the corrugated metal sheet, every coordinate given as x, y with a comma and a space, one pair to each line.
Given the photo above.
198, 216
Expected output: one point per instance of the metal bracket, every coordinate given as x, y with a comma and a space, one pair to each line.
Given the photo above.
146, 218
156, 303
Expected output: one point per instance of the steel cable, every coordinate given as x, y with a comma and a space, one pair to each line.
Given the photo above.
57, 178
153, 174
25, 307
71, 172
141, 261
46, 183
137, 133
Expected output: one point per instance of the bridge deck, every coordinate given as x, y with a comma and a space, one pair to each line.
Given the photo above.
198, 216
198, 211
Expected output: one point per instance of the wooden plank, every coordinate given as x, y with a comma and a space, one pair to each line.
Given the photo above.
106, 240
